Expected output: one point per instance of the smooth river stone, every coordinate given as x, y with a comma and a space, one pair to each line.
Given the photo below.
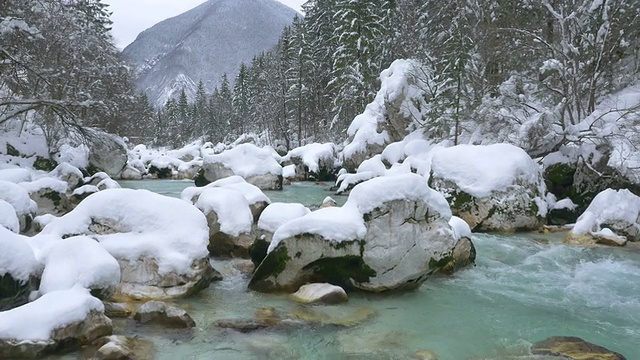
320, 293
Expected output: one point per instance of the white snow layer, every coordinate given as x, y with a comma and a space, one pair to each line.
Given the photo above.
78, 260
8, 217
45, 183
277, 214
247, 160
347, 223
252, 193
145, 224
36, 320
608, 207
18, 197
15, 175
231, 207
16, 257
460, 227
479, 170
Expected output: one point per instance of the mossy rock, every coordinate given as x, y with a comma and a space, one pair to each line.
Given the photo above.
461, 201
258, 251
200, 180
340, 271
272, 265
12, 151
13, 292
562, 216
44, 164
573, 348
164, 173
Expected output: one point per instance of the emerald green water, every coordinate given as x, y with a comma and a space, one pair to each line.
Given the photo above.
521, 290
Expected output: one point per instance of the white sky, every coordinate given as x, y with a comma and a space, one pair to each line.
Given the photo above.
130, 17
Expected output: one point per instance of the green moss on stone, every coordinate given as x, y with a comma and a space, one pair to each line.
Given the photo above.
341, 270
200, 180
435, 265
11, 151
258, 251
460, 200
53, 196
44, 164
272, 265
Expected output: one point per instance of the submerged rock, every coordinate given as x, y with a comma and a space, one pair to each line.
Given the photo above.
116, 310
573, 348
493, 188
320, 293
116, 347
157, 312
392, 234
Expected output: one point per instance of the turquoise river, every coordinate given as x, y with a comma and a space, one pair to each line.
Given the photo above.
524, 288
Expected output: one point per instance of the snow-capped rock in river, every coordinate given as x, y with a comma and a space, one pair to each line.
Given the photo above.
159, 242
611, 218
19, 198
256, 165
392, 233
493, 188
69, 318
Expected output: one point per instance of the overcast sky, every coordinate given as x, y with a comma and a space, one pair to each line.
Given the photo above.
130, 17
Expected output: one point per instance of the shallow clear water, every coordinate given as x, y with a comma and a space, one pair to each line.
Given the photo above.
521, 290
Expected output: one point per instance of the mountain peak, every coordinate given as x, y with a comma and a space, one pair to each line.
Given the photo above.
204, 43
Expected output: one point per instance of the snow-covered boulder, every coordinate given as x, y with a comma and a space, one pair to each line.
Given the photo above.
8, 217
79, 260
493, 188
320, 293
159, 242
314, 161
611, 218
257, 166
50, 194
229, 219
19, 198
256, 199
69, 174
157, 312
392, 233
270, 220
108, 153
58, 321
18, 267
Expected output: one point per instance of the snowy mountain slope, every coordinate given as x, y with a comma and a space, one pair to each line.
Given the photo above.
203, 44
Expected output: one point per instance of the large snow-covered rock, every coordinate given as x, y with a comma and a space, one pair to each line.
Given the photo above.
493, 188
611, 218
19, 198
392, 233
58, 321
159, 242
15, 174
79, 260
257, 166
18, 266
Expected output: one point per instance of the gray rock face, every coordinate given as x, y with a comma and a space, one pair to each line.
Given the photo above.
108, 153
320, 293
157, 312
117, 347
70, 337
178, 52
406, 241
